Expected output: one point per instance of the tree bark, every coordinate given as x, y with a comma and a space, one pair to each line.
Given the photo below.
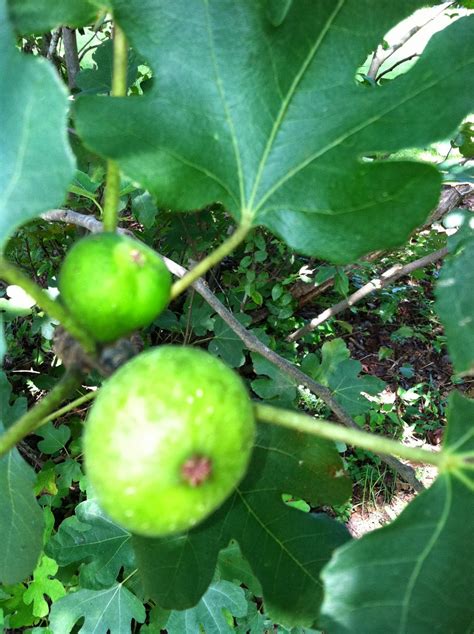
70, 55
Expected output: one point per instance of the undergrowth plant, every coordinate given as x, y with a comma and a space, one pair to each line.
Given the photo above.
235, 136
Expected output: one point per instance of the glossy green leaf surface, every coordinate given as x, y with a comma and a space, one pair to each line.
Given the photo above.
92, 538
104, 611
36, 161
276, 129
38, 16
455, 303
266, 530
416, 574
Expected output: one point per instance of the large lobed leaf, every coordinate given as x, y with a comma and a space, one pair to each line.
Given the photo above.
285, 548
415, 575
36, 162
270, 121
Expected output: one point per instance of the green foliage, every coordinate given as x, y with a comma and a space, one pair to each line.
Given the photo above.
272, 384
266, 178
2, 340
54, 438
466, 146
28, 185
250, 112
90, 537
38, 16
421, 551
9, 412
104, 611
341, 374
455, 302
265, 529
43, 586
98, 79
226, 344
21, 520
211, 613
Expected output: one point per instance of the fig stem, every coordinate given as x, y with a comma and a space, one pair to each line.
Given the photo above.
13, 275
210, 260
444, 460
119, 89
68, 408
35, 417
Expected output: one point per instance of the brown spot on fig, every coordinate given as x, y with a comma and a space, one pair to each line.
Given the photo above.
196, 470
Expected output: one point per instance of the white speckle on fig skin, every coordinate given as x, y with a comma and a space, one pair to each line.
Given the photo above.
196, 470
137, 257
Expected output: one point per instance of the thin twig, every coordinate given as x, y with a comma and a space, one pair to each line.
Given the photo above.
80, 220
381, 54
399, 63
451, 197
385, 279
70, 55
53, 44
252, 343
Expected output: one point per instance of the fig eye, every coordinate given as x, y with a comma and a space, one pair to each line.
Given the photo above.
196, 470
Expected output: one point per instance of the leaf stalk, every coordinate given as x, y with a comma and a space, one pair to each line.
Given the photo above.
68, 408
444, 460
211, 260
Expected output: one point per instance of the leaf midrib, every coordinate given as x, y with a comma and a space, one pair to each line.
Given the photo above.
275, 538
287, 100
344, 137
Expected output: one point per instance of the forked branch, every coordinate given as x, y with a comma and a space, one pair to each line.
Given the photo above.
252, 343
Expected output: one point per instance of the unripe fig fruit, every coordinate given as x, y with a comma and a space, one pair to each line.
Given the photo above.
168, 439
113, 285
